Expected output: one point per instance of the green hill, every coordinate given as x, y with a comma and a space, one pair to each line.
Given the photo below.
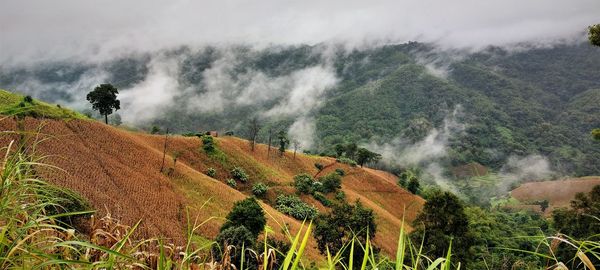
19, 105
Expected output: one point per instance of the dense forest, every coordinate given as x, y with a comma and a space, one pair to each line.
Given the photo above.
513, 102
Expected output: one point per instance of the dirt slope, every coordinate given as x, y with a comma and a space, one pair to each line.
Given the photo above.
118, 170
558, 193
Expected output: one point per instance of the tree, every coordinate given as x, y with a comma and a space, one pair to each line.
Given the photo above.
413, 185
247, 213
296, 144
594, 34
344, 222
339, 149
442, 220
365, 156
270, 137
235, 237
283, 142
350, 151
253, 129
104, 100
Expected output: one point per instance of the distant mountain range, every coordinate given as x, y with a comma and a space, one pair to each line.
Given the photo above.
511, 102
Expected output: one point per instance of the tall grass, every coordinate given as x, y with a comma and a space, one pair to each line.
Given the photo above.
34, 237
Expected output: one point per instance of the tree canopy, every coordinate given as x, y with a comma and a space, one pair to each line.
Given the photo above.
104, 100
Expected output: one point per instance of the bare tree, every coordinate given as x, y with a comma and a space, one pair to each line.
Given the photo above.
296, 144
253, 129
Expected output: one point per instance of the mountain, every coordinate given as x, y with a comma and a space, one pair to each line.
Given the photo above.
515, 102
118, 172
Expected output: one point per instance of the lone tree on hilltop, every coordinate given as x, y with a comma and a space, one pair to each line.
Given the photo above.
104, 100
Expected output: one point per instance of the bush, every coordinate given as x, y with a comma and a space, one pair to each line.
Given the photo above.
259, 189
331, 183
231, 182
292, 205
247, 213
229, 133
28, 99
211, 172
303, 183
236, 236
340, 195
319, 166
208, 144
239, 174
346, 160
322, 199
340, 171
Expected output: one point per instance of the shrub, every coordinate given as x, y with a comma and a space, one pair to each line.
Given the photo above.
292, 205
319, 166
239, 174
340, 195
340, 171
322, 199
259, 189
303, 183
236, 236
231, 182
247, 213
229, 133
28, 99
331, 183
211, 172
346, 160
208, 144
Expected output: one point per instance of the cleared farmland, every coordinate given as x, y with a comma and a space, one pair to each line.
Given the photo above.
559, 193
119, 171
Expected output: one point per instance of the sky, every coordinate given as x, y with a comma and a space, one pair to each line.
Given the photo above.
36, 30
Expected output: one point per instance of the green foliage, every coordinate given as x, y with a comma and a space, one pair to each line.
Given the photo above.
14, 104
238, 173
330, 183
231, 182
283, 142
322, 199
344, 223
581, 220
413, 185
365, 156
346, 160
292, 205
104, 100
340, 171
303, 183
236, 237
247, 213
259, 189
211, 172
594, 35
155, 130
442, 220
208, 144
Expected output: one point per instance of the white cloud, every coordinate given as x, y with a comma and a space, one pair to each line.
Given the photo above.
38, 30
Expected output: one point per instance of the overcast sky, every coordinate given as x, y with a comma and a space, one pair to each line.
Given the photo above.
96, 29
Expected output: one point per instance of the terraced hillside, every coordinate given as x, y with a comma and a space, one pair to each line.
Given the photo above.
119, 171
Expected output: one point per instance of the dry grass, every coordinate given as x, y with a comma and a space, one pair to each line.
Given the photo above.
118, 170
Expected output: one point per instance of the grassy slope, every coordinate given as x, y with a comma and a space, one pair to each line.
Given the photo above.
10, 104
118, 171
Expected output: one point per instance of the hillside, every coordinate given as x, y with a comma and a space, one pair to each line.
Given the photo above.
118, 171
559, 193
516, 103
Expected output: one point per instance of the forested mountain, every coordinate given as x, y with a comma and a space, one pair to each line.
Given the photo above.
513, 102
